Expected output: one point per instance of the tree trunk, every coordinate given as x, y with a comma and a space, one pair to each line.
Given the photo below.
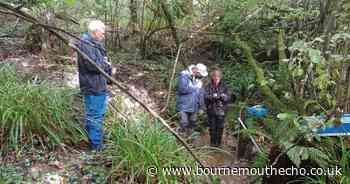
171, 22
133, 16
142, 41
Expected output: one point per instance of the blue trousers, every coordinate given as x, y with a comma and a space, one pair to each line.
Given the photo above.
95, 108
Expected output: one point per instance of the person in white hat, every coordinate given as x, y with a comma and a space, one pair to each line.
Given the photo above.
190, 96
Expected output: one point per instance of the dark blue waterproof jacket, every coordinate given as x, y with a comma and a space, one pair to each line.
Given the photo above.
189, 98
92, 82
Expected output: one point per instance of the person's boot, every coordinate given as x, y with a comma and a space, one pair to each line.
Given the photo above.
181, 131
215, 138
212, 137
219, 136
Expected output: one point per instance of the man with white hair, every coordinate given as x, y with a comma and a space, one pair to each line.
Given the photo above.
190, 96
93, 85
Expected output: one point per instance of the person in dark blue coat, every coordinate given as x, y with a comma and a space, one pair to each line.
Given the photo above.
190, 96
93, 85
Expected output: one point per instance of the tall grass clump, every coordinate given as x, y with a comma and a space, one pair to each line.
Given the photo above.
34, 115
137, 146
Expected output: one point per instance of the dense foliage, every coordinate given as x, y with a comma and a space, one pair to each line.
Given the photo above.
292, 56
35, 114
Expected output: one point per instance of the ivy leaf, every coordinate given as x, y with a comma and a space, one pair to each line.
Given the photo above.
315, 55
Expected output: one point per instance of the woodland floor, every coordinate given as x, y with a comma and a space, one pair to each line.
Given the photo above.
79, 165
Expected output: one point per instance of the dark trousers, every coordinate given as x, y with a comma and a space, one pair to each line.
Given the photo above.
216, 128
188, 120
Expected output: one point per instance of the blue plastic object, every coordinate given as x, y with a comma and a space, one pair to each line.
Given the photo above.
342, 130
345, 118
258, 111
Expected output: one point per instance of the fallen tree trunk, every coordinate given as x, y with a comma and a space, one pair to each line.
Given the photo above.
55, 31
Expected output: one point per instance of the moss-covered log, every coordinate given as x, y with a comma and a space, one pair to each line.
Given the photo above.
272, 99
282, 58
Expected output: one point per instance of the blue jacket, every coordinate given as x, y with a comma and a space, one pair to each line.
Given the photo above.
91, 81
189, 98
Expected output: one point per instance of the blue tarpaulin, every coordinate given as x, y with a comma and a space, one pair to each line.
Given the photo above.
342, 130
259, 111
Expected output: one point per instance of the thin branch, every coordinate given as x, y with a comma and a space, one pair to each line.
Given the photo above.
172, 79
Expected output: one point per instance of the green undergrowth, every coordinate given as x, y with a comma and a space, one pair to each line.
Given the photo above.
35, 114
140, 145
